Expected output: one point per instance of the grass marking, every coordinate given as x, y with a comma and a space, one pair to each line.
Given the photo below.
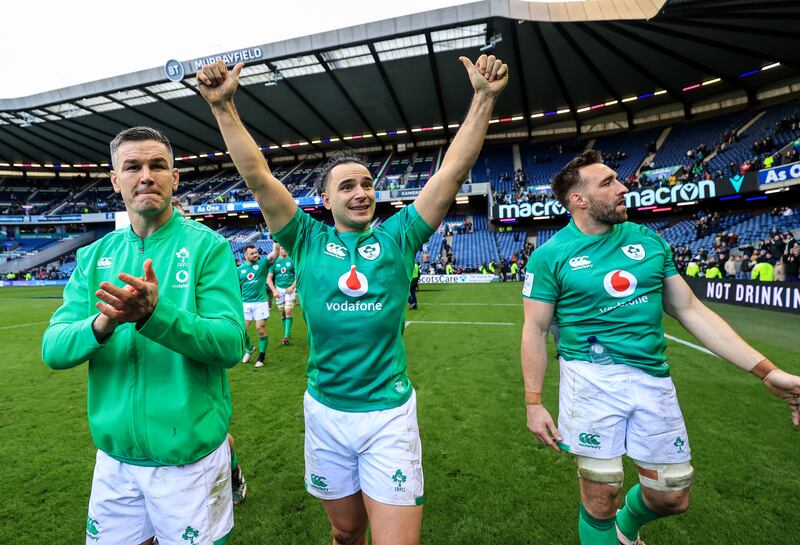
691, 345
409, 322
23, 325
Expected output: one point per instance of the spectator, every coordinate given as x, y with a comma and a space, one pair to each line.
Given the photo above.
791, 261
763, 270
713, 270
745, 268
780, 271
730, 267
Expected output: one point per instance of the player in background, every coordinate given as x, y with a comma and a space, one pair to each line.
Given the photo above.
607, 282
282, 283
238, 482
362, 447
412, 296
253, 283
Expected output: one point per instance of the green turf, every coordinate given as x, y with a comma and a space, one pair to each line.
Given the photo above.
487, 479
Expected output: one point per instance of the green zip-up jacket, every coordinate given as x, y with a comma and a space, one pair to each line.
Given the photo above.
158, 391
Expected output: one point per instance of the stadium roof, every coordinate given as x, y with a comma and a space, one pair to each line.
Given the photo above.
576, 67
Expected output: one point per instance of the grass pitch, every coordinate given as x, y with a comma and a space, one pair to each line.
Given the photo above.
488, 481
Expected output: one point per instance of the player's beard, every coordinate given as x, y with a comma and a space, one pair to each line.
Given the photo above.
606, 213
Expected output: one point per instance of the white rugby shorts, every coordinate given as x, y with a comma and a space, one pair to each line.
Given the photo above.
377, 452
130, 504
256, 311
284, 297
606, 411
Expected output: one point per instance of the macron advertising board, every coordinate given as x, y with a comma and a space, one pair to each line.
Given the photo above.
642, 198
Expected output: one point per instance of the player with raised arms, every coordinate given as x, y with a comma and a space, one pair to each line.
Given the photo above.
363, 454
253, 273
607, 282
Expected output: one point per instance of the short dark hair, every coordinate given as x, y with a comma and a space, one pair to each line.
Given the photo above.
336, 159
569, 176
139, 134
248, 247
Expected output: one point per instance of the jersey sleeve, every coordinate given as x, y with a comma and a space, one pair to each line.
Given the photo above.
541, 283
69, 339
297, 234
408, 229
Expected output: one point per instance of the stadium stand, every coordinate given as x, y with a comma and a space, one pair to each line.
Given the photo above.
625, 151
704, 135
495, 162
540, 162
765, 136
393, 175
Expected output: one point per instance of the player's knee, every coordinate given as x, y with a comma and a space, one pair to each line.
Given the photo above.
352, 536
602, 485
673, 504
601, 502
262, 330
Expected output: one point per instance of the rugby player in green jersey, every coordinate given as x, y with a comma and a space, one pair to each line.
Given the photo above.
282, 282
157, 347
253, 283
362, 447
607, 282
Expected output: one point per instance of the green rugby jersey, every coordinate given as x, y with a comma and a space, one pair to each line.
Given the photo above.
354, 287
607, 285
253, 280
283, 272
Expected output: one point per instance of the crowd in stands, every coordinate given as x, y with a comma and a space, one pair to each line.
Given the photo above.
446, 263
773, 258
60, 269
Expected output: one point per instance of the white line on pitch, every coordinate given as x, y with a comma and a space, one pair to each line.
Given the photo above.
691, 345
21, 325
409, 322
479, 304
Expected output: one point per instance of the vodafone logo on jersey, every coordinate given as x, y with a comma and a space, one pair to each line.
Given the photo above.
250, 276
619, 283
353, 283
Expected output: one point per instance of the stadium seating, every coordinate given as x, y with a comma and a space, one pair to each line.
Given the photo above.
15, 248
742, 150
543, 235
510, 243
421, 170
688, 136
632, 144
492, 163
542, 161
398, 166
